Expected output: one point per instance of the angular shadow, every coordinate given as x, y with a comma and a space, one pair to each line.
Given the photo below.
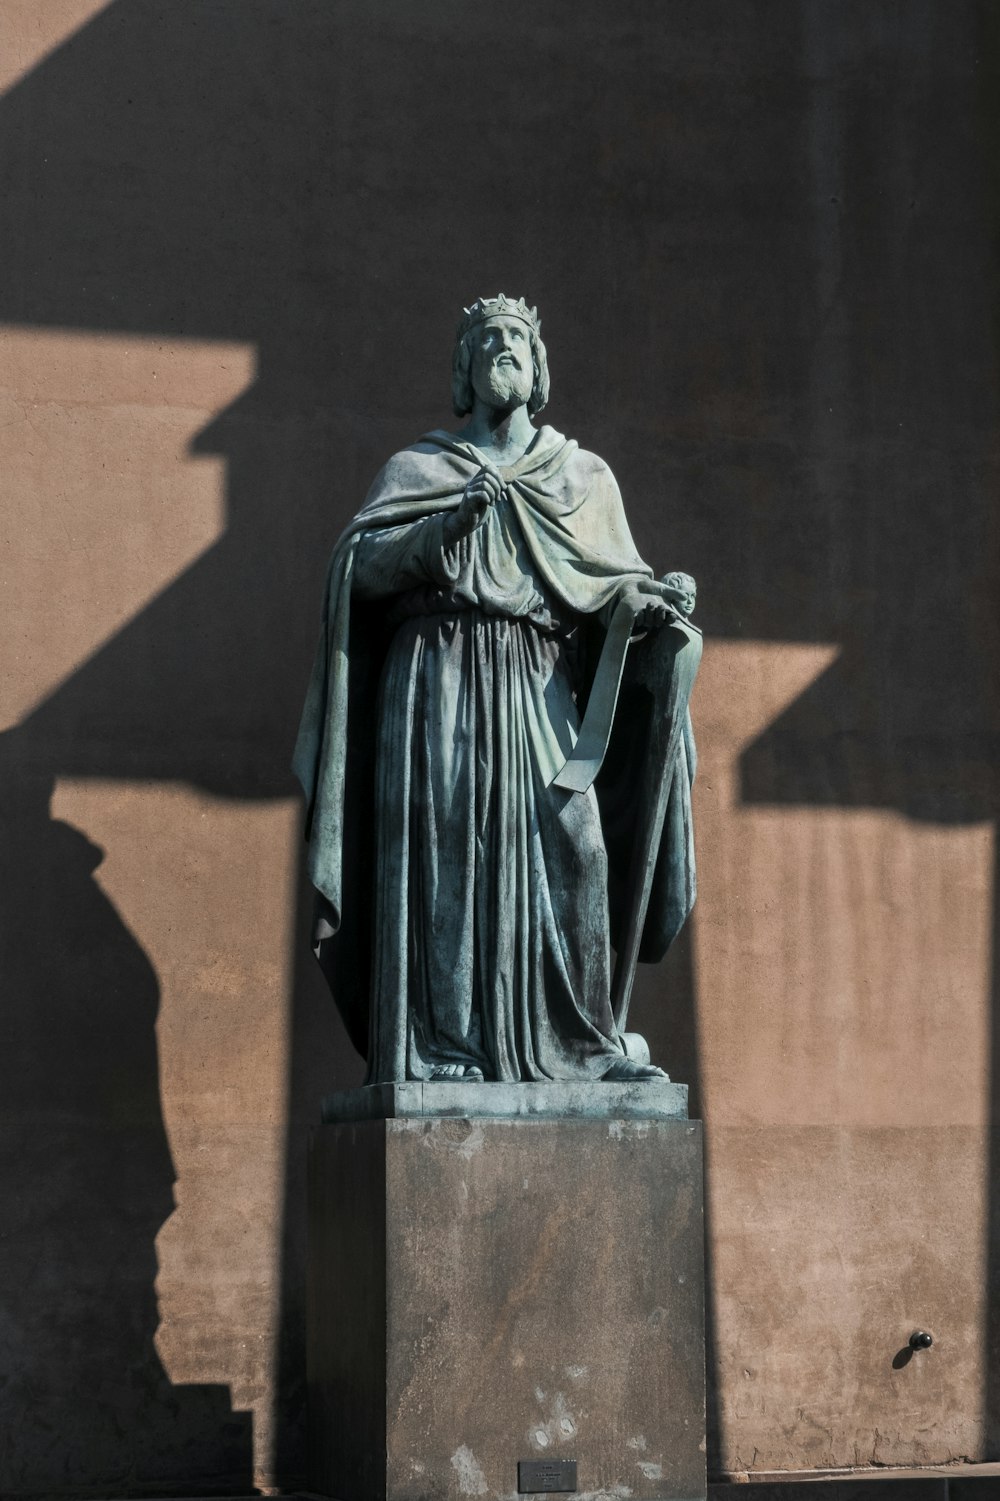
88, 1183
327, 184
904, 398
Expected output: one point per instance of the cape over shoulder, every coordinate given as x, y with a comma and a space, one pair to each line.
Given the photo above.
421, 472
433, 472
548, 447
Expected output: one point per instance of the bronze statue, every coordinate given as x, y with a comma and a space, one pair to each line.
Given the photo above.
471, 876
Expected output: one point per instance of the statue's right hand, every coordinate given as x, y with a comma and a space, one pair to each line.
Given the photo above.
482, 491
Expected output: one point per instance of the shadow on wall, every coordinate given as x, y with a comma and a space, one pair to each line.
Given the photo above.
326, 186
306, 182
87, 1182
903, 463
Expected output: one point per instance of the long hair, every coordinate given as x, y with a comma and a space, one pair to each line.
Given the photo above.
461, 379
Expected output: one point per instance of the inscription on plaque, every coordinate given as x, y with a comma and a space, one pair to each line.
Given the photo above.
535, 1475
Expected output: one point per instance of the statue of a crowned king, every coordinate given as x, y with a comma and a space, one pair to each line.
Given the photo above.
475, 850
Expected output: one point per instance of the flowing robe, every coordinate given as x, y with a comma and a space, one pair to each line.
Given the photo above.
490, 942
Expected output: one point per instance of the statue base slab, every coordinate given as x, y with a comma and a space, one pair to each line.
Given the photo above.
485, 1292
652, 1099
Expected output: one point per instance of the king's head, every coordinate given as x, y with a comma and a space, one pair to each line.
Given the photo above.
498, 307
472, 336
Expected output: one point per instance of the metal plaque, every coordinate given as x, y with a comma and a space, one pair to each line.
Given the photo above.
534, 1475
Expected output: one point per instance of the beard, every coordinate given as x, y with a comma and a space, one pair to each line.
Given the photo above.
508, 386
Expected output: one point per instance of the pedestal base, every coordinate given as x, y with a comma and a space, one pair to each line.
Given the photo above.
651, 1099
485, 1292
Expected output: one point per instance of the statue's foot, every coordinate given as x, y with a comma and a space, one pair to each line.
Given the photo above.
627, 1071
455, 1073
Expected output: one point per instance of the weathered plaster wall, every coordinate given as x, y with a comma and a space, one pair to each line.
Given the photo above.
236, 235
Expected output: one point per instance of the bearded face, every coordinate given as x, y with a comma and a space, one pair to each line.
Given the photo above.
502, 371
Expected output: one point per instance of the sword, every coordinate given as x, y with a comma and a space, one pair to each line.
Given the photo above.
668, 669
586, 757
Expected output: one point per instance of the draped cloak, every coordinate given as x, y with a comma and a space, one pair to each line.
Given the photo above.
514, 600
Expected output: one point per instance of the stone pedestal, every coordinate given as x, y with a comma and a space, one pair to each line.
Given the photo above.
486, 1291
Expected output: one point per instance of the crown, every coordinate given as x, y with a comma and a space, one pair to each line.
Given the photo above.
499, 306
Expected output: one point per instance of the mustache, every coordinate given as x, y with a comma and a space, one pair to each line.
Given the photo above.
508, 380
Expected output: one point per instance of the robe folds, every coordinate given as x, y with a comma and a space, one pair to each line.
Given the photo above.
467, 896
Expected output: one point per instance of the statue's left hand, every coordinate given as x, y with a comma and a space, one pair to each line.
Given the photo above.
655, 601
648, 605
